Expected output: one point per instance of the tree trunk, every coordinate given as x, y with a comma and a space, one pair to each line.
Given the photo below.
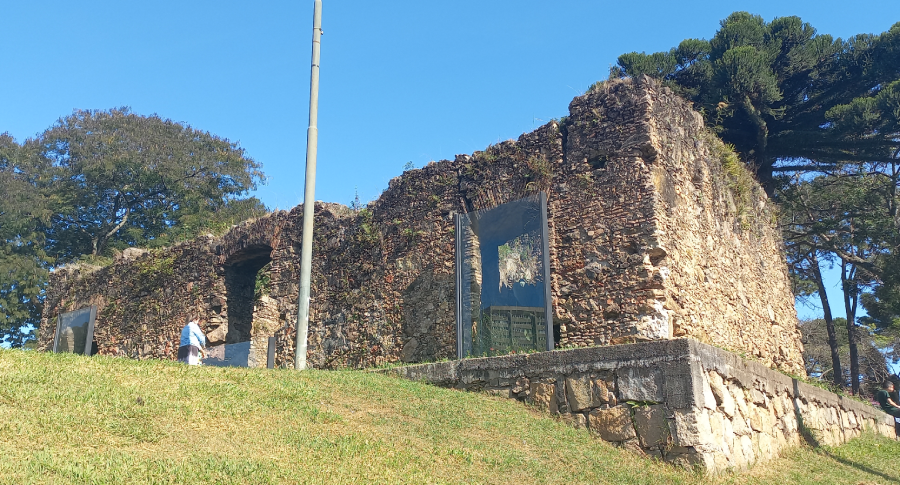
763, 166
893, 199
836, 371
846, 281
101, 241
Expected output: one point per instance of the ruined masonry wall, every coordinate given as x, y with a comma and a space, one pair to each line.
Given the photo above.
723, 264
679, 400
140, 308
641, 248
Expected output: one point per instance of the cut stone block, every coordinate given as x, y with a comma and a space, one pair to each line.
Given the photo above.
543, 395
613, 424
720, 391
640, 384
651, 426
579, 393
692, 428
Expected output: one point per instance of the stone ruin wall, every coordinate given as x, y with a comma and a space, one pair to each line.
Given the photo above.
724, 264
141, 308
643, 244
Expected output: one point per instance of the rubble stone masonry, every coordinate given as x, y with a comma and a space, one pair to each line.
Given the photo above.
678, 400
649, 239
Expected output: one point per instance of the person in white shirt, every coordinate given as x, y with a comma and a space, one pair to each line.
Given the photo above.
192, 342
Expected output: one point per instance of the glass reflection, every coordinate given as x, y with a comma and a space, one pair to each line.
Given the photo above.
74, 331
502, 279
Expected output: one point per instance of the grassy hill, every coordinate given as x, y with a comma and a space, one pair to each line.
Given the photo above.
71, 419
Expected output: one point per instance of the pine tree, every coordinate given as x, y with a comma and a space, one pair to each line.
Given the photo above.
767, 87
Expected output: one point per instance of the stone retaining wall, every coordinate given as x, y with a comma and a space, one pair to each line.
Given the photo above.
679, 400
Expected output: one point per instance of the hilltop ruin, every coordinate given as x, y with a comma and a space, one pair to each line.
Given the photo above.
653, 234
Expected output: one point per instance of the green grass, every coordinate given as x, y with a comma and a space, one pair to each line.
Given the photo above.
71, 419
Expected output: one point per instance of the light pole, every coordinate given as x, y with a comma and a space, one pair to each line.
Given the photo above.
309, 195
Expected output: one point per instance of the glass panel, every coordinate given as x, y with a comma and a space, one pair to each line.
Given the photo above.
73, 329
502, 279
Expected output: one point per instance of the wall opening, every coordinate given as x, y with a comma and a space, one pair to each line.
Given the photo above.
241, 270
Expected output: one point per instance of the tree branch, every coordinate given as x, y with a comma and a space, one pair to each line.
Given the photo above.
100, 244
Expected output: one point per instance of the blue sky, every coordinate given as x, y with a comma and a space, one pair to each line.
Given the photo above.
401, 80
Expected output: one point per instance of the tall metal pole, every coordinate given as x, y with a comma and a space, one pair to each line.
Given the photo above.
309, 198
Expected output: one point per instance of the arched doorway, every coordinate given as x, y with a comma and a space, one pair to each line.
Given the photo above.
241, 270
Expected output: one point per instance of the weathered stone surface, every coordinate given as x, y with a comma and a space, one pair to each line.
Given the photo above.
521, 387
690, 458
737, 453
778, 406
410, 350
579, 421
634, 446
579, 393
543, 395
788, 424
728, 434
758, 398
613, 424
216, 337
651, 425
601, 392
760, 419
740, 398
747, 449
709, 399
640, 384
692, 428
740, 425
710, 436
130, 254
722, 396
585, 392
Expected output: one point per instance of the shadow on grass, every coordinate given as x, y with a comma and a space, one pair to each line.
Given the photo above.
812, 440
860, 467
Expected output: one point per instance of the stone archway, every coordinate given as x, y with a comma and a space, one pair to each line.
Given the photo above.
241, 269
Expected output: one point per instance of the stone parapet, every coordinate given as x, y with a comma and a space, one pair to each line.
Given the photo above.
679, 400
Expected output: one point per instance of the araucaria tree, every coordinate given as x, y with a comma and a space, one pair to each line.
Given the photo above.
766, 88
840, 217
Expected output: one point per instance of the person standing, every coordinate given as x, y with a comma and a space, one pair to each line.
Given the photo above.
192, 341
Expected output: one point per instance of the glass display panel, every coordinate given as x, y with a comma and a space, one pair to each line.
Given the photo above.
503, 291
75, 331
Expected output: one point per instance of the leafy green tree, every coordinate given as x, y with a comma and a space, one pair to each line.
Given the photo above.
23, 261
876, 118
873, 363
215, 218
99, 181
116, 179
843, 216
805, 250
766, 88
883, 304
804, 260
